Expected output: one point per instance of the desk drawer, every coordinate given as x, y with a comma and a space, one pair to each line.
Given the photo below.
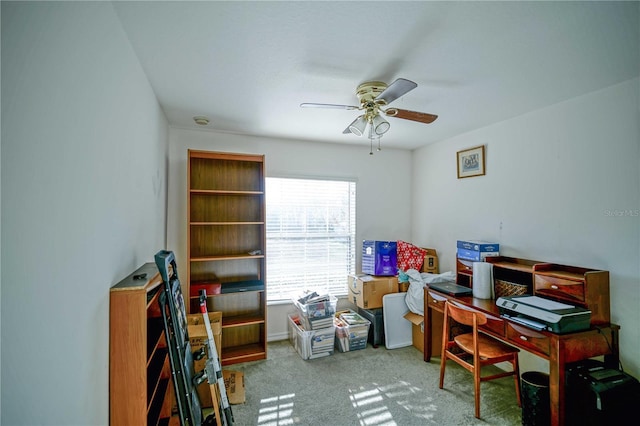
528, 338
436, 301
494, 325
464, 266
559, 288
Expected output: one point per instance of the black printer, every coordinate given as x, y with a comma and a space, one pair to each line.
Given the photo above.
597, 395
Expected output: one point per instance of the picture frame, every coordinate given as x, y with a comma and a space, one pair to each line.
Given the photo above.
471, 162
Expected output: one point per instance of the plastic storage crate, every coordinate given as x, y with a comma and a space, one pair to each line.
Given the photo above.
310, 344
351, 336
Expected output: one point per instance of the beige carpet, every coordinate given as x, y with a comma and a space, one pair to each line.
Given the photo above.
371, 387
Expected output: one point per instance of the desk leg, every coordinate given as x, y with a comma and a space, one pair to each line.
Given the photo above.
557, 383
428, 331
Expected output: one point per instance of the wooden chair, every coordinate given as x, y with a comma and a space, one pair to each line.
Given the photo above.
482, 349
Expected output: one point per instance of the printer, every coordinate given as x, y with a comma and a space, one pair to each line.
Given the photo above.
544, 314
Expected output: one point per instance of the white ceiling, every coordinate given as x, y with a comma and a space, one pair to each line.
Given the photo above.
248, 65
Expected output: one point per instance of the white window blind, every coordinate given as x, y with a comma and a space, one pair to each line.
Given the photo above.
311, 230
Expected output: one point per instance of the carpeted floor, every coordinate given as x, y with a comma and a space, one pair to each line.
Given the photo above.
372, 387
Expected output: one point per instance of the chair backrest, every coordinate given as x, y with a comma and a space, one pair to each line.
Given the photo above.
465, 315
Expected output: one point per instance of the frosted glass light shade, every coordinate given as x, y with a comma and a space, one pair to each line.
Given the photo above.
358, 126
380, 125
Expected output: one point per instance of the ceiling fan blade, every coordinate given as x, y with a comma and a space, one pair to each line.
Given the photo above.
421, 117
334, 106
396, 89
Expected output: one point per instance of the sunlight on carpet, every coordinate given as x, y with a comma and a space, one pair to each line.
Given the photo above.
370, 404
276, 411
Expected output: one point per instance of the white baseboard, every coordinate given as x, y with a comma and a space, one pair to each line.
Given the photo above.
277, 336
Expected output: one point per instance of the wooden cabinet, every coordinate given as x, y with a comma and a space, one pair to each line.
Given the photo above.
226, 247
588, 288
140, 388
584, 287
464, 272
508, 269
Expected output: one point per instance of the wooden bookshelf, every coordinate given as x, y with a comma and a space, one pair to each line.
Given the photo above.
226, 247
140, 388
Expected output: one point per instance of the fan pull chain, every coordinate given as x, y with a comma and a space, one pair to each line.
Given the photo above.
370, 138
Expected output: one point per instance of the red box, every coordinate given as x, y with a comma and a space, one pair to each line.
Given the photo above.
210, 287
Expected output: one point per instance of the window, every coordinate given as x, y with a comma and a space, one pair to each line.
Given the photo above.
311, 231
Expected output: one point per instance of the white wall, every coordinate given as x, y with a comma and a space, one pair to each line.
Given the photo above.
562, 185
84, 160
383, 187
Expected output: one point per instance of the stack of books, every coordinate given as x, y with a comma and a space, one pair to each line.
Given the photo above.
476, 251
352, 318
316, 323
322, 342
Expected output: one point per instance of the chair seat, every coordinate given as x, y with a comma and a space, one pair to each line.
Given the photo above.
489, 347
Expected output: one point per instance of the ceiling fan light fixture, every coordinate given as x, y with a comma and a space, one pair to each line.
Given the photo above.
374, 97
358, 126
380, 125
201, 121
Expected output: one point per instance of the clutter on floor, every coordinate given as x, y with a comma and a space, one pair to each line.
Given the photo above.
311, 328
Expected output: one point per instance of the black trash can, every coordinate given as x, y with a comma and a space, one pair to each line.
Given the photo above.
536, 408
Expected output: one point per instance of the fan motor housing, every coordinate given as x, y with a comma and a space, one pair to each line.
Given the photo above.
368, 91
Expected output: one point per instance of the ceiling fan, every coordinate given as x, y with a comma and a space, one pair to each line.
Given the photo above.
374, 96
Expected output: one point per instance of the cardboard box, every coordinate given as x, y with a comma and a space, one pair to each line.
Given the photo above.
478, 245
234, 385
198, 332
430, 264
198, 338
417, 332
380, 257
475, 256
366, 291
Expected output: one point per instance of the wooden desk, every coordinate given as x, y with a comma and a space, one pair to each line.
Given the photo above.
559, 349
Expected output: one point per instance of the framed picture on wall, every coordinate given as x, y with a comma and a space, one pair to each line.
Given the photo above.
471, 162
